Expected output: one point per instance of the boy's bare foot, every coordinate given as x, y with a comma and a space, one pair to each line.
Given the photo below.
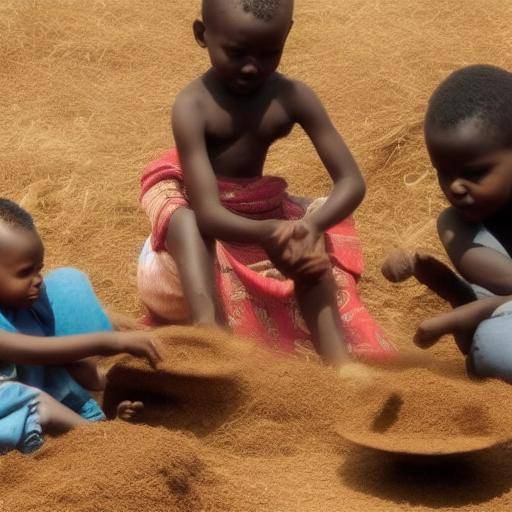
130, 411
354, 371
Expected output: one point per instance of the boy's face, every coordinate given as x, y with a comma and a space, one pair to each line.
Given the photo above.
244, 51
21, 262
474, 172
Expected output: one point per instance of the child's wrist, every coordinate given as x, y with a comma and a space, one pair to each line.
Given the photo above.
267, 228
313, 222
109, 343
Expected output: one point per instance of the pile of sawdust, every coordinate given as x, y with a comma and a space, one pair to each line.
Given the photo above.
416, 412
263, 435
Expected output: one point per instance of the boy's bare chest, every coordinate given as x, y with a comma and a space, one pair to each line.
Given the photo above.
253, 124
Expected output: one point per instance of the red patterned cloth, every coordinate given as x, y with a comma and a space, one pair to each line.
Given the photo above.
257, 300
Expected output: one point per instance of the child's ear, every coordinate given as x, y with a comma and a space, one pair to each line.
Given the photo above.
199, 30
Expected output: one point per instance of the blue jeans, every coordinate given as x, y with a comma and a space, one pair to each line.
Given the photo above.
491, 351
67, 306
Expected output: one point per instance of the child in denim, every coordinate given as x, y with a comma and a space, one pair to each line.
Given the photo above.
468, 133
47, 329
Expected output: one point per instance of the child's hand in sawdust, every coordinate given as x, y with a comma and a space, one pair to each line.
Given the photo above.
297, 249
138, 344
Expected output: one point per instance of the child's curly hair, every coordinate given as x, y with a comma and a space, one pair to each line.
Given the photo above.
480, 91
14, 215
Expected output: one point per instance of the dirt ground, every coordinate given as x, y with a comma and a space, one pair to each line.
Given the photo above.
86, 94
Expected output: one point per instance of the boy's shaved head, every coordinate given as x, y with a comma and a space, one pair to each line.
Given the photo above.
478, 92
15, 216
261, 9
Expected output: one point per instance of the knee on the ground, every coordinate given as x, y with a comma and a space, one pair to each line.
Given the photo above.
491, 352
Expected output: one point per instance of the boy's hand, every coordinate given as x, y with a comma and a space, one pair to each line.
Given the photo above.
297, 250
138, 344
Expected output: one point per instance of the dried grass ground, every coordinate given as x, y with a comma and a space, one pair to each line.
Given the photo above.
86, 95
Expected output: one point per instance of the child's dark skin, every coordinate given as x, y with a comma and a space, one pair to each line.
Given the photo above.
224, 123
475, 174
21, 263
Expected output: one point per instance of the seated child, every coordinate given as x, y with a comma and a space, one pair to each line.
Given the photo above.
37, 393
468, 133
216, 220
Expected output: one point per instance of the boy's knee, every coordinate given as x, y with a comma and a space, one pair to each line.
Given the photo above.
491, 352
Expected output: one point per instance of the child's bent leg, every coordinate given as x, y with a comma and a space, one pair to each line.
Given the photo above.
319, 309
56, 418
195, 263
441, 279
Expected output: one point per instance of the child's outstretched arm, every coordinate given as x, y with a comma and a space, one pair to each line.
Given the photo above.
477, 264
214, 221
461, 322
37, 350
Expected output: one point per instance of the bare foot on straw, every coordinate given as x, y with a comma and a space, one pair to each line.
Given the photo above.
130, 411
353, 371
399, 266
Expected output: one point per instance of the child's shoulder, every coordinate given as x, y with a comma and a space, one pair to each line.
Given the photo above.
189, 105
193, 93
299, 96
455, 230
450, 219
292, 87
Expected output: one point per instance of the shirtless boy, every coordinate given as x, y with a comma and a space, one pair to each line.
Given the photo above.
224, 123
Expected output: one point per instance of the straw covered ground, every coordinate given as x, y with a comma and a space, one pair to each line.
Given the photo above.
86, 95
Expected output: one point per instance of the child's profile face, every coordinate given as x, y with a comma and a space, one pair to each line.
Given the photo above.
244, 51
21, 262
474, 172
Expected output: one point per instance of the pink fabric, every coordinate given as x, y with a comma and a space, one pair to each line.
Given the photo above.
257, 300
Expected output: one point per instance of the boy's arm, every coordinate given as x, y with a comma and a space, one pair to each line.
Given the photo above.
349, 187
36, 350
477, 264
213, 219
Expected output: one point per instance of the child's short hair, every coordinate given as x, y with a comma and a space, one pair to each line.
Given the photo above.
480, 91
261, 9
14, 215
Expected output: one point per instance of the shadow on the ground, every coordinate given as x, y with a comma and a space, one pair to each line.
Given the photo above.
437, 482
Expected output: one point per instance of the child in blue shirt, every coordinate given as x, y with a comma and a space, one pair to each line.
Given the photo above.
48, 327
